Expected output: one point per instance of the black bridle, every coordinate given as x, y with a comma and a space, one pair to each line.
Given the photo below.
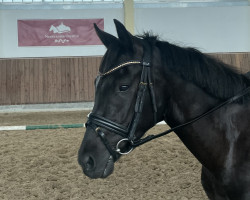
128, 133
97, 122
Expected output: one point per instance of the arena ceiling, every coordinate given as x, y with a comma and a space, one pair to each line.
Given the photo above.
120, 1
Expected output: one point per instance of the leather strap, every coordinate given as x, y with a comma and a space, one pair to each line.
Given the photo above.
152, 137
104, 140
107, 124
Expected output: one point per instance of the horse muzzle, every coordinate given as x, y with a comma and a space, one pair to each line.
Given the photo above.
91, 168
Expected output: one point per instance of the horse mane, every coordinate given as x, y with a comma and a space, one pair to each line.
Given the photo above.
213, 76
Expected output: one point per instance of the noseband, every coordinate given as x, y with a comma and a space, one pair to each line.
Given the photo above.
97, 122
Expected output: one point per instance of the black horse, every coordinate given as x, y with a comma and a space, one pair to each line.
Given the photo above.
142, 81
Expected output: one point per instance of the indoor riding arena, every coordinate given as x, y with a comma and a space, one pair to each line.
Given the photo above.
49, 58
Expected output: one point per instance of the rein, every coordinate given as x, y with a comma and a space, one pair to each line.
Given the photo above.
97, 122
152, 137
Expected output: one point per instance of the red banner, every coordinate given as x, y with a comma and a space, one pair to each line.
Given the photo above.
58, 32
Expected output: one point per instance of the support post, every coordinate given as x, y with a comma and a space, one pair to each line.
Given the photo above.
129, 15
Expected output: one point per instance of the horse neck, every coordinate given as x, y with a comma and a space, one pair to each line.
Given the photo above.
186, 101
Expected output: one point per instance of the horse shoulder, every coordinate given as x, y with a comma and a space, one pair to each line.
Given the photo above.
212, 186
236, 173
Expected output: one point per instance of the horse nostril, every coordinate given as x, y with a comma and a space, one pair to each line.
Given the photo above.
90, 164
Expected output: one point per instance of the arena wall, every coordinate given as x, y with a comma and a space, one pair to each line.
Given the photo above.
31, 75
47, 80
58, 80
210, 27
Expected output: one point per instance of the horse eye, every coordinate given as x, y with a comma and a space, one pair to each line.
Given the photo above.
123, 88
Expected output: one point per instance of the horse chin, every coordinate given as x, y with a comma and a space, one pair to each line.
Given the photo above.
101, 173
109, 168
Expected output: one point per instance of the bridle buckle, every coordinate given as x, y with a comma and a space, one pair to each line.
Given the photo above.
118, 150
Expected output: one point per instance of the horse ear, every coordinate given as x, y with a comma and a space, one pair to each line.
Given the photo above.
124, 36
106, 38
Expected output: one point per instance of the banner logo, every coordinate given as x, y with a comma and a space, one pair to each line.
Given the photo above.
60, 29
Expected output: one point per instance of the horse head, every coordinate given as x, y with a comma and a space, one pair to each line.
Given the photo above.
124, 85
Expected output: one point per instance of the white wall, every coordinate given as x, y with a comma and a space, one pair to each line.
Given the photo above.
8, 31
210, 29
1, 34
